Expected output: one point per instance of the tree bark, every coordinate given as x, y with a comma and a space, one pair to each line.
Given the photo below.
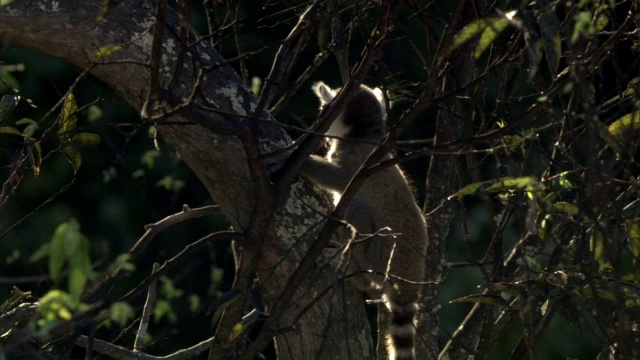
335, 327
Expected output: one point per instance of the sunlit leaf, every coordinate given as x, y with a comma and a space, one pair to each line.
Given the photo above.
58, 250
7, 81
68, 118
122, 262
121, 312
564, 181
168, 289
566, 208
624, 128
109, 174
149, 157
34, 150
597, 246
237, 330
502, 185
104, 52
77, 281
41, 253
170, 183
487, 28
161, 310
30, 129
633, 232
73, 157
90, 140
56, 299
602, 21
94, 113
493, 28
256, 85
10, 131
194, 303
582, 26
632, 86
79, 265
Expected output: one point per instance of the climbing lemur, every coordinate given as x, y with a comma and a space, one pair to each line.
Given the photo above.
384, 205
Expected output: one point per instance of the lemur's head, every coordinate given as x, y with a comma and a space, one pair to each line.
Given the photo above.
363, 116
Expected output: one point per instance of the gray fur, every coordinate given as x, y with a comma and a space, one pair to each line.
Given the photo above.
384, 201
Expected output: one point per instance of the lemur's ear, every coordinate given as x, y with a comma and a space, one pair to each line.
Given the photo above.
324, 93
380, 96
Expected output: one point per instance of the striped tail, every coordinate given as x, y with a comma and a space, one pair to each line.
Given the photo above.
401, 332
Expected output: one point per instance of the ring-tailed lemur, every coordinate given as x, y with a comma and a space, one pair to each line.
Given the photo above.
385, 200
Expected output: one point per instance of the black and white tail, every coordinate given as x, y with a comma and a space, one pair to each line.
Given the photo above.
401, 332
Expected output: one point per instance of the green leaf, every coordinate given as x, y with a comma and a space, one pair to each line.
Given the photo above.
149, 157
602, 21
30, 129
57, 251
7, 81
565, 207
487, 299
168, 289
493, 28
68, 118
467, 33
77, 281
597, 245
7, 105
582, 26
564, 180
90, 140
502, 185
623, 131
194, 303
9, 130
121, 312
79, 264
109, 174
170, 183
256, 85
104, 52
94, 113
633, 232
632, 86
488, 29
122, 262
73, 157
41, 253
162, 309
34, 150
236, 331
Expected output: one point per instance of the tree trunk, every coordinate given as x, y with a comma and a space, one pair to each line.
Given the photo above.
335, 327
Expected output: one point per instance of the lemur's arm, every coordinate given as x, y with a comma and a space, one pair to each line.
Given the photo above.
328, 175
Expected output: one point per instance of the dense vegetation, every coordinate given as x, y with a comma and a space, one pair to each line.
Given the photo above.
517, 121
